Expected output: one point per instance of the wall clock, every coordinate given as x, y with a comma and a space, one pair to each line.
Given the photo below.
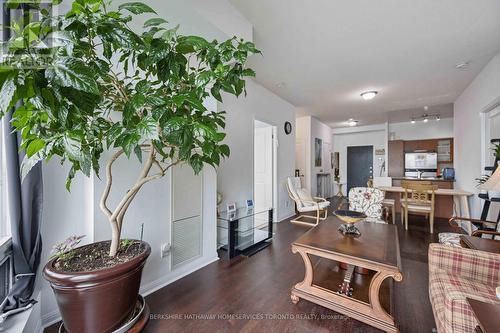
288, 128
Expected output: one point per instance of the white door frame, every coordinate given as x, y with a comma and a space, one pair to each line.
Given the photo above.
485, 134
275, 166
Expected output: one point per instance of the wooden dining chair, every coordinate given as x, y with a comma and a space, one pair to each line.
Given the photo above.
390, 204
419, 198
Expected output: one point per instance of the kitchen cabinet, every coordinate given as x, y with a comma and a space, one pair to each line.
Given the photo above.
396, 163
420, 145
397, 149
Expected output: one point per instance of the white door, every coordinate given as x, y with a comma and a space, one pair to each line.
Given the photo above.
263, 168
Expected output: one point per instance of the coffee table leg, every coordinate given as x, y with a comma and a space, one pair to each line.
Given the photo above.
295, 298
375, 284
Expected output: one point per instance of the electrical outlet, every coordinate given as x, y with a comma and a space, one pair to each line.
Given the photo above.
165, 250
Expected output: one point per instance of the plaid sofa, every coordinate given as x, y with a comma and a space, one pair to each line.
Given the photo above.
454, 274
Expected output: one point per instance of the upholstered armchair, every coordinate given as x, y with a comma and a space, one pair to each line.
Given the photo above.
305, 203
456, 274
471, 227
367, 200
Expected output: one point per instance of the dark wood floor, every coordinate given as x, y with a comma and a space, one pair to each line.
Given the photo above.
259, 286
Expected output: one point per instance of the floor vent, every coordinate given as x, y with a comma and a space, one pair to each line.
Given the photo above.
186, 240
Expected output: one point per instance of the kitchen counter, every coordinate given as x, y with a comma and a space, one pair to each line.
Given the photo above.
432, 179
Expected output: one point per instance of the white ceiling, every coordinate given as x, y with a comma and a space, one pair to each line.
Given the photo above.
326, 52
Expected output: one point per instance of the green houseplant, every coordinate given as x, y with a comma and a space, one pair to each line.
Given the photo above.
84, 83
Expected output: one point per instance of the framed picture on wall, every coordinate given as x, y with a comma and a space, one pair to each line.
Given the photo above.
318, 152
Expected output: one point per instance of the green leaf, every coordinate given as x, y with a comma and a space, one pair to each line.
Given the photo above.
147, 129
130, 141
248, 72
138, 152
169, 34
220, 136
86, 163
216, 92
34, 147
154, 21
6, 93
224, 149
189, 44
69, 179
28, 163
136, 8
59, 39
73, 148
74, 73
196, 163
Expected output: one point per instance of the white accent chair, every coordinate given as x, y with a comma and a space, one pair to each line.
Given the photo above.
389, 203
305, 203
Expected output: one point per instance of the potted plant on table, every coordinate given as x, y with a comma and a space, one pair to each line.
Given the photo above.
106, 87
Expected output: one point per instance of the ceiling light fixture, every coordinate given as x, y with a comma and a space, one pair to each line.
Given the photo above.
425, 118
351, 122
368, 95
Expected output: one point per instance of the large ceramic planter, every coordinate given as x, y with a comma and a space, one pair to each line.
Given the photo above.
98, 301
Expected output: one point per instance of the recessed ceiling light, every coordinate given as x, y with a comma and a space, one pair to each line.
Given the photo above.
351, 122
426, 120
367, 95
463, 65
438, 118
426, 108
413, 121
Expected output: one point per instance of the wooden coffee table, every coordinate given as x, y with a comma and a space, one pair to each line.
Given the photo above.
377, 249
481, 244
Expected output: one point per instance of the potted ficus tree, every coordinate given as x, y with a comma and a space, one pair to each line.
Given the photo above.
84, 83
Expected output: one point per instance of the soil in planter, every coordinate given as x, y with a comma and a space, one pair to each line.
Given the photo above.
95, 256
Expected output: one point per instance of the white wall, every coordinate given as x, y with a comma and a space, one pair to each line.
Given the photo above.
376, 138
235, 175
481, 95
421, 131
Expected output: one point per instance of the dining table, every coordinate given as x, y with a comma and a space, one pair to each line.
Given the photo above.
460, 198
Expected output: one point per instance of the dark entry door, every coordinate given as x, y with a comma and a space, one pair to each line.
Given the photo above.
359, 166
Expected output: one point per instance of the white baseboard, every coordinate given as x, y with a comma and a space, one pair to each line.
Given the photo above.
149, 288
287, 217
155, 285
50, 319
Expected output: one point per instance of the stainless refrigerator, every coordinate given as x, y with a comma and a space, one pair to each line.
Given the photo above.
421, 165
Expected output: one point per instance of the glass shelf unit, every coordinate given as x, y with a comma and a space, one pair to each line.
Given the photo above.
244, 231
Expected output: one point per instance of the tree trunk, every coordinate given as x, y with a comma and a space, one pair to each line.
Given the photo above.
115, 217
115, 239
